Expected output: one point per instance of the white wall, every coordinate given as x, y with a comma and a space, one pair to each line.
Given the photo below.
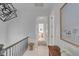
3, 32
57, 41
22, 26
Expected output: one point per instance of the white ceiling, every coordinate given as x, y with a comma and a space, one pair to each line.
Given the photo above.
36, 9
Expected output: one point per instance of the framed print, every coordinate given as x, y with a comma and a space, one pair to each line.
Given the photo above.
69, 23
7, 11
41, 28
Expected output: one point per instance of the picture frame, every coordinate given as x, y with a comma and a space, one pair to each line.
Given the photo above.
7, 11
67, 34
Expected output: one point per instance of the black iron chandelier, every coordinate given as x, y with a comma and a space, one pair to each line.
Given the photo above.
7, 11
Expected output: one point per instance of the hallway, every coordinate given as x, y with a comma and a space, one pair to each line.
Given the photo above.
39, 29
36, 52
36, 49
